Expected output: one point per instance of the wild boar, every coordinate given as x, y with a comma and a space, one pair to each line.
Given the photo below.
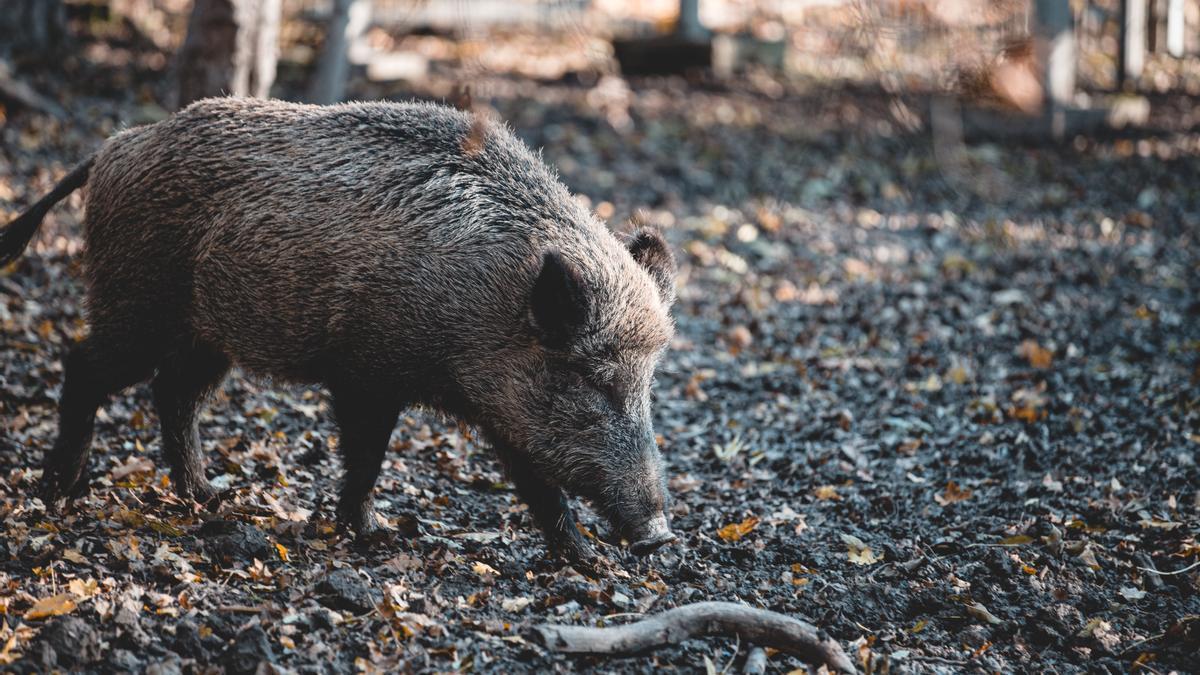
396, 254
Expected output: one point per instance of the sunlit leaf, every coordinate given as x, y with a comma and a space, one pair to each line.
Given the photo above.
858, 552
735, 531
55, 605
826, 493
1039, 357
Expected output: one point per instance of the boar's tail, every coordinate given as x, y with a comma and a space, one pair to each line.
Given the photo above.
16, 236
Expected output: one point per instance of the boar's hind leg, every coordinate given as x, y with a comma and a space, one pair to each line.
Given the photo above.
551, 510
93, 370
181, 386
365, 423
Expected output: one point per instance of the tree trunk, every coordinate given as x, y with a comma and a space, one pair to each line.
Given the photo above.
346, 24
31, 27
231, 49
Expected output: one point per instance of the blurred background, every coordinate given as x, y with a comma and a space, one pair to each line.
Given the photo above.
942, 71
935, 73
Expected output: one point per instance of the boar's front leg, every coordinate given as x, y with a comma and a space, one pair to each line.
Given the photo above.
550, 510
182, 384
365, 419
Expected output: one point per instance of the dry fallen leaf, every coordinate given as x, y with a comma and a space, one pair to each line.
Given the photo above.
735, 531
1158, 523
1039, 357
980, 612
55, 605
952, 494
1130, 593
135, 464
515, 604
858, 551
826, 493
484, 570
83, 589
1088, 557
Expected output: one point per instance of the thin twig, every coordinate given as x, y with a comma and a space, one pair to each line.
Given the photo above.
737, 648
1167, 574
241, 609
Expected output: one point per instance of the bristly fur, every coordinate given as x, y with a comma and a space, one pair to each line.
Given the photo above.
387, 251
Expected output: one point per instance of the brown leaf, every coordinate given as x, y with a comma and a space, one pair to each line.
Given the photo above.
735, 531
1039, 357
952, 494
826, 493
55, 605
858, 552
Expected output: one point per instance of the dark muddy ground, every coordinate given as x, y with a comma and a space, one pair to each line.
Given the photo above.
940, 400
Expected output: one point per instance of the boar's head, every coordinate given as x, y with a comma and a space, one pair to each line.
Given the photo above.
578, 410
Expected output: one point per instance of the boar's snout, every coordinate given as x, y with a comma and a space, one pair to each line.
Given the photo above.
650, 535
642, 503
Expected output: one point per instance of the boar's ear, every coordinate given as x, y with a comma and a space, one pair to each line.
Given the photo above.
557, 303
650, 251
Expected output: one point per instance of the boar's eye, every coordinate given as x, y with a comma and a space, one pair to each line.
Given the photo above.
584, 376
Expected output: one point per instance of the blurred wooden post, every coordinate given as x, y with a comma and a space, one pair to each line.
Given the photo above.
689, 26
1055, 35
231, 49
1175, 28
1132, 56
32, 28
1154, 37
347, 23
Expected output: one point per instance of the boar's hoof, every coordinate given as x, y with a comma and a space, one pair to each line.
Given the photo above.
202, 493
651, 536
55, 486
569, 544
575, 552
360, 521
648, 546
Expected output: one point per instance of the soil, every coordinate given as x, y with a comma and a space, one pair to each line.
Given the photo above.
941, 400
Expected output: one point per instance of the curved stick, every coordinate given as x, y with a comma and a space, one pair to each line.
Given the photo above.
758, 626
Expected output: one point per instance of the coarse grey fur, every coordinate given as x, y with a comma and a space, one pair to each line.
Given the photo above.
398, 254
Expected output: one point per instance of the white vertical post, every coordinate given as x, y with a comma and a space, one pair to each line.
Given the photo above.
1056, 53
1175, 24
1133, 40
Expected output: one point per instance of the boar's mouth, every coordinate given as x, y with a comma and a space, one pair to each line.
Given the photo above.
651, 535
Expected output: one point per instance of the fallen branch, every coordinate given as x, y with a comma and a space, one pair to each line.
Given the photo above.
757, 626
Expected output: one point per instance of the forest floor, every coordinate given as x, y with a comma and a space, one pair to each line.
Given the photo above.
939, 399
